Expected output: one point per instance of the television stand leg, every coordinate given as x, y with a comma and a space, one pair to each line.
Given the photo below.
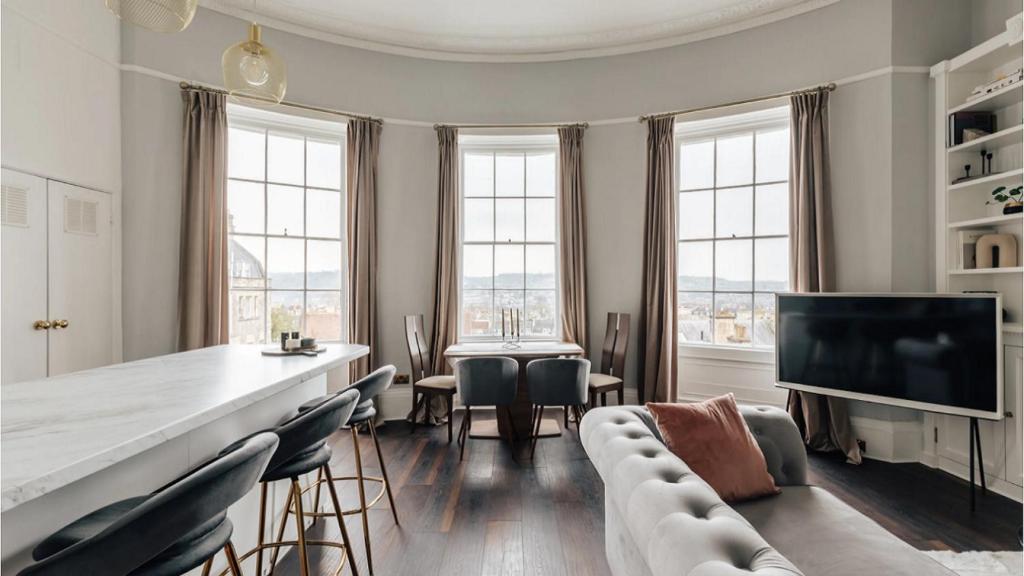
975, 444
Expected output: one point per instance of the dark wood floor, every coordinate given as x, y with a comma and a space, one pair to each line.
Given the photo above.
495, 515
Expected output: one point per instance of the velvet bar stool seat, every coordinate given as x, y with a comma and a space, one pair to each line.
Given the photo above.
425, 384
486, 381
613, 361
559, 382
167, 533
302, 450
368, 387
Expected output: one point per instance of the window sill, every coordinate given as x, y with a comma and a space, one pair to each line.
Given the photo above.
764, 356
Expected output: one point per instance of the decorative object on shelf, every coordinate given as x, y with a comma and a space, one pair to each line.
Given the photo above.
983, 171
167, 16
997, 251
983, 123
988, 157
967, 241
510, 337
1001, 81
253, 73
966, 176
970, 134
1010, 197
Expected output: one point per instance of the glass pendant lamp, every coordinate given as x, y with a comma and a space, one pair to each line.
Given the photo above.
253, 73
158, 15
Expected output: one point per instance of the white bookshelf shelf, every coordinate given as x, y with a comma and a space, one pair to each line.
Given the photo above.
1007, 137
988, 55
987, 271
989, 221
1002, 98
990, 179
1013, 327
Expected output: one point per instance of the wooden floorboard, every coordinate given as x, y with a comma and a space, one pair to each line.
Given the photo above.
501, 513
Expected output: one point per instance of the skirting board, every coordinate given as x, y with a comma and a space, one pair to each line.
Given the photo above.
995, 484
887, 440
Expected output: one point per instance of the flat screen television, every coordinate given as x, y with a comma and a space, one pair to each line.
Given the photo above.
933, 352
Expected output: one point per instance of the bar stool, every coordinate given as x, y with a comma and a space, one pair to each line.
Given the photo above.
557, 382
369, 387
303, 449
171, 531
486, 381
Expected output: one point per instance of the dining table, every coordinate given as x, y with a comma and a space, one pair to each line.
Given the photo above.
522, 352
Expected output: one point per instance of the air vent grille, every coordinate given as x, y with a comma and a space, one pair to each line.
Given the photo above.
14, 203
80, 216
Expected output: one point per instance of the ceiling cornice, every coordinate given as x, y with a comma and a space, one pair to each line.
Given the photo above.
542, 48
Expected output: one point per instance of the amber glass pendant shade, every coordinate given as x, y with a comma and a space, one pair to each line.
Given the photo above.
253, 73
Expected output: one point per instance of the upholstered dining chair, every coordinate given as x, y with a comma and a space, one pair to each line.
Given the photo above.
559, 382
425, 384
613, 360
486, 381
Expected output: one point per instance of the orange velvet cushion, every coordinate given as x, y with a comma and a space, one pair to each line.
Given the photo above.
714, 441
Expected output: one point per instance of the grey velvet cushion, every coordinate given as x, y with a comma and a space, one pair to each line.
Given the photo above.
558, 381
487, 381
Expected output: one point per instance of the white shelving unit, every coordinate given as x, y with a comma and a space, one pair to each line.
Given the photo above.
962, 206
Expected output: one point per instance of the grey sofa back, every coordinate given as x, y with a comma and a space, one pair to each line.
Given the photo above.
674, 521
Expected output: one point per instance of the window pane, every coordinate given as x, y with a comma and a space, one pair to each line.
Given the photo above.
245, 207
285, 262
245, 153
734, 212
284, 210
478, 221
764, 320
247, 322
732, 318
245, 261
323, 163
773, 155
508, 266
505, 300
323, 315
284, 158
540, 314
696, 214
771, 264
540, 220
694, 317
509, 169
323, 213
477, 314
540, 266
733, 265
697, 165
509, 223
478, 175
285, 313
772, 212
323, 264
696, 264
734, 161
540, 174
477, 266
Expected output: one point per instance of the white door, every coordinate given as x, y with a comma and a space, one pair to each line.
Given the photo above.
1013, 374
81, 279
23, 272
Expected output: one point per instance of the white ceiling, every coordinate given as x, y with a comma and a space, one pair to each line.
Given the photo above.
512, 30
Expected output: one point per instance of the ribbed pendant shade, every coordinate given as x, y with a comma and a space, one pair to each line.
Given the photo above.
158, 15
253, 73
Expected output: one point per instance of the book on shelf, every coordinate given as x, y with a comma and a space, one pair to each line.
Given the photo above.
975, 121
967, 242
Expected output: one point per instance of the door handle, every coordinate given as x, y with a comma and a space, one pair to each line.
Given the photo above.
59, 324
41, 325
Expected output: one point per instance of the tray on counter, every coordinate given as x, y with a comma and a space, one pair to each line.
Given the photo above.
276, 351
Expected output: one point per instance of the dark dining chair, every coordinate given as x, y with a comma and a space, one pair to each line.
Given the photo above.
613, 360
556, 382
486, 381
425, 384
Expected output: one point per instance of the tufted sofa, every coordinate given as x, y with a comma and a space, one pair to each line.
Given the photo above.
661, 519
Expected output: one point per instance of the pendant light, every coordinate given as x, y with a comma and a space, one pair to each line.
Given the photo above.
158, 15
252, 72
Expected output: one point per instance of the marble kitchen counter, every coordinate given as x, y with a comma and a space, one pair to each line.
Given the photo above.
59, 430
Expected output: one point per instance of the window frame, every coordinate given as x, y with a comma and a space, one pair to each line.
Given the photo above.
714, 128
308, 127
515, 144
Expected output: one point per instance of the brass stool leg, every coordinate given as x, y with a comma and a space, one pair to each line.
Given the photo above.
207, 565
263, 527
384, 472
341, 519
362, 498
316, 495
300, 526
229, 551
280, 529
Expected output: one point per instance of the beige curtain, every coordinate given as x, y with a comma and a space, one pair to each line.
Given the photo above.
573, 236
823, 420
446, 249
658, 314
363, 151
203, 265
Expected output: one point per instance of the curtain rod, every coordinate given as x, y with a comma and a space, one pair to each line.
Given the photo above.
827, 87
199, 88
526, 125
